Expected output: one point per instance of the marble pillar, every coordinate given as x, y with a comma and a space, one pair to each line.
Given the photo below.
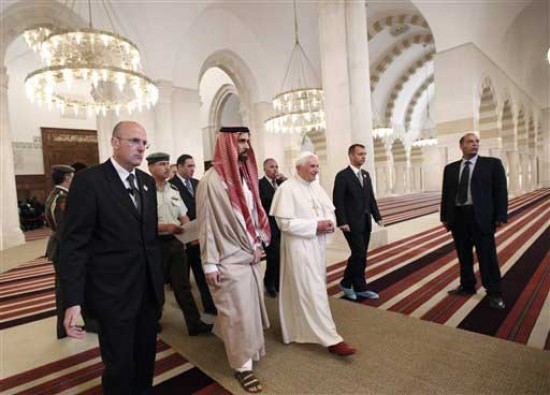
10, 230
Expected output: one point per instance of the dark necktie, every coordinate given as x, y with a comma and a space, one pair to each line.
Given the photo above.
189, 186
463, 184
135, 192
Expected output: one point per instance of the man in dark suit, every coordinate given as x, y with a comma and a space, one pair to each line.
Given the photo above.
474, 203
268, 185
355, 203
110, 260
187, 186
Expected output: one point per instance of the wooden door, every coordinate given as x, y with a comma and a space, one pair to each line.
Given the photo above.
67, 146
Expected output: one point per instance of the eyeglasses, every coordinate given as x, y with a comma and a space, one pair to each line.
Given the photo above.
135, 142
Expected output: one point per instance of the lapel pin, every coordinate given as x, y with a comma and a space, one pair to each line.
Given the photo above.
145, 188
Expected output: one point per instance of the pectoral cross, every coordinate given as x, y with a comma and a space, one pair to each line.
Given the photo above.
315, 207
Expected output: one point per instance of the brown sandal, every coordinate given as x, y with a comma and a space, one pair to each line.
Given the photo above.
249, 382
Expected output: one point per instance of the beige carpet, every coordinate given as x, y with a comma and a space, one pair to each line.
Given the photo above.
397, 355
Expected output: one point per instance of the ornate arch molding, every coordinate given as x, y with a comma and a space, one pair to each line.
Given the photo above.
395, 21
414, 100
417, 155
218, 102
521, 133
29, 14
241, 75
486, 114
531, 134
394, 94
399, 152
380, 66
507, 123
380, 151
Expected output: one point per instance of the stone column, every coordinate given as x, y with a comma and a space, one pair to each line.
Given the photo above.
514, 173
164, 141
346, 83
10, 230
186, 125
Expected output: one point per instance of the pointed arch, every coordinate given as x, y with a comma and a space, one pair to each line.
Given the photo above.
488, 118
239, 72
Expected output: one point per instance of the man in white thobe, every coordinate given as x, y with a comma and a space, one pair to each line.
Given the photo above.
305, 215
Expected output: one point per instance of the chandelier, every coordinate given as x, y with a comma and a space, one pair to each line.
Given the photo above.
426, 134
88, 70
299, 106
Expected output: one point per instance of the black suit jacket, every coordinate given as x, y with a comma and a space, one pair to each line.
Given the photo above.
489, 193
354, 204
188, 199
266, 196
109, 251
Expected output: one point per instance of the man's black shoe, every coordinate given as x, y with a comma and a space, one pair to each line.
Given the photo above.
496, 302
461, 291
212, 311
200, 328
271, 291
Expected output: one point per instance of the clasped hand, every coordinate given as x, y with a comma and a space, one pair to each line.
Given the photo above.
325, 226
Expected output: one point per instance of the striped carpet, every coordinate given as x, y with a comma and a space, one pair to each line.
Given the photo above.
402, 208
81, 374
413, 275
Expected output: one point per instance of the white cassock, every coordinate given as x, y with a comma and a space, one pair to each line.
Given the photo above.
303, 299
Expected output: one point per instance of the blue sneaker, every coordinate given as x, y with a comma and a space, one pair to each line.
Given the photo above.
348, 292
368, 294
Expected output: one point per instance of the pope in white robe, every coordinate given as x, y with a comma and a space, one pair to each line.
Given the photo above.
305, 215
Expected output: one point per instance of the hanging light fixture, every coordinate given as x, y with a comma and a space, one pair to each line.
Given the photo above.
299, 106
426, 134
88, 70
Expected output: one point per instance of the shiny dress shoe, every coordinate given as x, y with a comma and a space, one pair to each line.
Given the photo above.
271, 291
461, 291
348, 292
342, 349
212, 311
200, 328
367, 294
496, 302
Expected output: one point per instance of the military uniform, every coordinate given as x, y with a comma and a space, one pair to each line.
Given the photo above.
54, 213
171, 208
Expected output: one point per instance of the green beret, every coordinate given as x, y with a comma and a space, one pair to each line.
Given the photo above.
157, 157
63, 168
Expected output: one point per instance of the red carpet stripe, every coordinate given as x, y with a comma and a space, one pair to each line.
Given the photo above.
78, 376
483, 319
421, 296
528, 214
522, 317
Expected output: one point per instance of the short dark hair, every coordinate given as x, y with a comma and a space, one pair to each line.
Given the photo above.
267, 161
352, 147
181, 160
58, 176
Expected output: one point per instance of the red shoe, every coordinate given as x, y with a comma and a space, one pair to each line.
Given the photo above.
342, 349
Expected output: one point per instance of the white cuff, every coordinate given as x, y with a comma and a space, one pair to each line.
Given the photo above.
209, 268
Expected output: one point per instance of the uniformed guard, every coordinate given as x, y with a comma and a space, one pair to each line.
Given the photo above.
62, 175
171, 216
